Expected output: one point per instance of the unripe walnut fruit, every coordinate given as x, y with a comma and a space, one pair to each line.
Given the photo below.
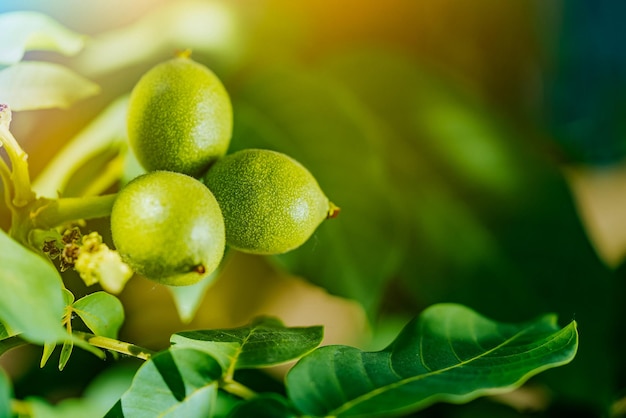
168, 227
179, 118
270, 202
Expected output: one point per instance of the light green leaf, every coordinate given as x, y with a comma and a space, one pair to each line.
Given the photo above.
448, 354
264, 342
204, 27
68, 297
105, 133
66, 352
26, 31
48, 349
41, 85
102, 312
173, 383
6, 394
31, 300
189, 298
6, 332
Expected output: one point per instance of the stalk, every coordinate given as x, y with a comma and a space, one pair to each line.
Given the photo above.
106, 131
116, 345
69, 209
19, 176
5, 175
237, 389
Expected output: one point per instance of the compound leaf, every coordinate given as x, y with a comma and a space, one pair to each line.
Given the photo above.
176, 382
102, 312
263, 342
27, 31
450, 353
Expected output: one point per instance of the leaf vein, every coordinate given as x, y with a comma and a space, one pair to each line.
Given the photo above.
378, 391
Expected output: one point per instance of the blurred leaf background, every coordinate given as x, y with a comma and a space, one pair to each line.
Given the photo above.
476, 149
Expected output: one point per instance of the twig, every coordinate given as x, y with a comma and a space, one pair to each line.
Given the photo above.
116, 345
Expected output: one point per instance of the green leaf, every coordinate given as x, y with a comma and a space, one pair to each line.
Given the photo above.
31, 300
68, 297
10, 343
9, 339
48, 349
189, 298
107, 131
6, 332
6, 394
107, 311
264, 406
97, 398
224, 404
448, 354
209, 28
40, 85
176, 382
66, 352
102, 312
264, 342
27, 31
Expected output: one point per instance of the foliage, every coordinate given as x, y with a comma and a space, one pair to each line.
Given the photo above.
447, 211
448, 354
35, 315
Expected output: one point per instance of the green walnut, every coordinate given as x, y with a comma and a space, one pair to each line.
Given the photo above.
270, 202
168, 227
179, 118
